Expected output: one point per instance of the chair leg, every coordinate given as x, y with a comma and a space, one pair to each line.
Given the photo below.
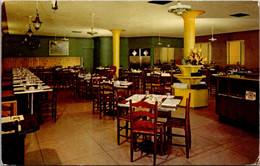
118, 131
154, 152
161, 142
170, 135
100, 111
132, 147
189, 137
126, 128
187, 142
93, 105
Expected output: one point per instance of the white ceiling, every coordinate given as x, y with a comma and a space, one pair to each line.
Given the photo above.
136, 18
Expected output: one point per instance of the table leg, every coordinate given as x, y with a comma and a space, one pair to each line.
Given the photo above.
28, 106
32, 104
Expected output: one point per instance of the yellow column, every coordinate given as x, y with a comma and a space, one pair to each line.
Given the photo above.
189, 30
116, 49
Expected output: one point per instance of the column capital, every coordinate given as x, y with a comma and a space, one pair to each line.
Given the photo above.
116, 31
192, 14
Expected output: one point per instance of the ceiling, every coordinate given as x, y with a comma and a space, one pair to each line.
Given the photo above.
136, 18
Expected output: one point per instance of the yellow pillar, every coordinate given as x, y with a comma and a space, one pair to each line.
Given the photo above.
189, 30
116, 49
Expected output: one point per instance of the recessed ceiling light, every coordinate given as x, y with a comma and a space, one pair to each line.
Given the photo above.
76, 31
239, 15
160, 2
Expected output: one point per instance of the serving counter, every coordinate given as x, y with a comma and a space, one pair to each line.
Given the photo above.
237, 100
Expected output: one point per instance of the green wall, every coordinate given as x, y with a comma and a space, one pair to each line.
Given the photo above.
95, 52
103, 52
124, 59
14, 46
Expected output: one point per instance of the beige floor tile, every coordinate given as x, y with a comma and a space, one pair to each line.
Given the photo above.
33, 158
249, 149
225, 157
97, 159
107, 139
80, 137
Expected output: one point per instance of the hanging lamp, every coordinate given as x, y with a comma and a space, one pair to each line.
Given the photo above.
37, 22
159, 41
92, 33
212, 39
179, 9
29, 32
54, 4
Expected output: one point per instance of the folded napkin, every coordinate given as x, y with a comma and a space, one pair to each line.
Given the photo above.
46, 87
19, 89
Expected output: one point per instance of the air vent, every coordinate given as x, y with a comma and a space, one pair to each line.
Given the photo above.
159, 2
76, 31
239, 15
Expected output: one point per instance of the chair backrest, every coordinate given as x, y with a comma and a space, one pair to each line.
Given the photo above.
95, 80
143, 118
120, 96
187, 111
155, 78
113, 68
9, 108
107, 90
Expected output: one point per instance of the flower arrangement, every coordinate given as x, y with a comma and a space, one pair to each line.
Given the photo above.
196, 57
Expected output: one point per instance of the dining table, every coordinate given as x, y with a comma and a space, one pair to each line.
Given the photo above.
165, 102
123, 85
25, 82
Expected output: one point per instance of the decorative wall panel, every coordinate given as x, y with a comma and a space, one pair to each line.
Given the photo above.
10, 63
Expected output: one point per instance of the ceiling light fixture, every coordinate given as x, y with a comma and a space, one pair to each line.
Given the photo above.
54, 4
37, 22
29, 32
92, 33
159, 41
212, 39
179, 9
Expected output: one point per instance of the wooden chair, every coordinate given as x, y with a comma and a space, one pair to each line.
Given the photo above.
96, 94
144, 123
168, 82
107, 99
155, 82
9, 108
146, 80
81, 87
50, 104
183, 123
74, 84
123, 116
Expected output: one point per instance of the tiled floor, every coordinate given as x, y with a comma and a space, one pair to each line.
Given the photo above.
81, 138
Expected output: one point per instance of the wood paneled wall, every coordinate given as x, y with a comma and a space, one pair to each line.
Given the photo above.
10, 63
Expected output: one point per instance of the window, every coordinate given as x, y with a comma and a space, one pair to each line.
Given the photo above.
206, 50
235, 52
